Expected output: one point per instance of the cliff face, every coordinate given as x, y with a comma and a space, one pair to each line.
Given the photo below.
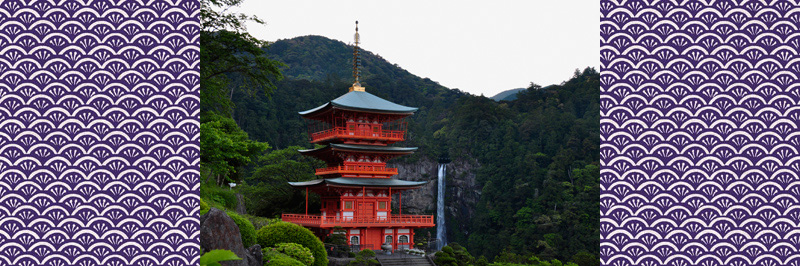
461, 195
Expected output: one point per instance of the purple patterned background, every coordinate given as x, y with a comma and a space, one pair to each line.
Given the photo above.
98, 133
700, 107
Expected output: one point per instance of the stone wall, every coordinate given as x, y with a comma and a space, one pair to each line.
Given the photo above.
461, 196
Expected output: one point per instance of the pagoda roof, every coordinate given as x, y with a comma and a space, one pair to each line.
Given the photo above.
362, 101
328, 152
359, 148
359, 182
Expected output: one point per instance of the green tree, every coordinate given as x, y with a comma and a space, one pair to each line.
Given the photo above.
584, 258
454, 255
227, 49
266, 186
224, 148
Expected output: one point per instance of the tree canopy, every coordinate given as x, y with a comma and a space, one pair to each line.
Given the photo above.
227, 49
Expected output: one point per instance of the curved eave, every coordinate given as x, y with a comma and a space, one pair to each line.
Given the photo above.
371, 148
361, 101
360, 148
322, 108
314, 110
359, 182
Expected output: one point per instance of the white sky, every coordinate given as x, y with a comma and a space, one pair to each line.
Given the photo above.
482, 47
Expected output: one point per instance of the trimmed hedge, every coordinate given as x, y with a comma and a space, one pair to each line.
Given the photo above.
367, 253
274, 258
296, 251
365, 257
284, 232
246, 229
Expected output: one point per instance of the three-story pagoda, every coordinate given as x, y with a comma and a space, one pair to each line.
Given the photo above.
356, 187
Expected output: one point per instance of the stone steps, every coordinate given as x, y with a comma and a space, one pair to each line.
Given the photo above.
406, 261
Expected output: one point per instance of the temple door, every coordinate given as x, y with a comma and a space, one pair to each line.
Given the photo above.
366, 211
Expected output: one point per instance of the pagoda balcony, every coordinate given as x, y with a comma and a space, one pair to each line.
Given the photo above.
394, 220
390, 136
357, 169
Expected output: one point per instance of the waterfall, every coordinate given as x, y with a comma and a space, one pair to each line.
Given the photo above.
441, 233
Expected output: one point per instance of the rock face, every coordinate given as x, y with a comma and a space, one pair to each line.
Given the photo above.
240, 209
218, 231
461, 195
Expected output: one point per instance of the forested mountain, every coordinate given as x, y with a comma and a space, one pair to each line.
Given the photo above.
538, 154
318, 70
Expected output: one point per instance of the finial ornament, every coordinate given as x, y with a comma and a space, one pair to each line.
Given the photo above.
356, 63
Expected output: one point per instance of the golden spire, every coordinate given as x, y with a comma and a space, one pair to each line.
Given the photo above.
356, 63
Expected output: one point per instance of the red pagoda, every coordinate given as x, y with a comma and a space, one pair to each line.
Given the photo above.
356, 187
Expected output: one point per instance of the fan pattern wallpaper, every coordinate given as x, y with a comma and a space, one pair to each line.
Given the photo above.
700, 107
98, 133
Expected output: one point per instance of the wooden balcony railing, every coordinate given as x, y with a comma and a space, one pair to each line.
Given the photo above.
369, 134
357, 169
331, 221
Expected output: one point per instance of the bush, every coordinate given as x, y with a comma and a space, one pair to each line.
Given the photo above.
296, 251
215, 256
337, 238
246, 229
204, 207
584, 258
259, 222
283, 232
351, 254
444, 259
367, 253
274, 258
223, 197
365, 257
447, 249
453, 255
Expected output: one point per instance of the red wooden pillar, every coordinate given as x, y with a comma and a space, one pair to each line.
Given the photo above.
400, 202
363, 200
394, 238
389, 216
410, 238
306, 200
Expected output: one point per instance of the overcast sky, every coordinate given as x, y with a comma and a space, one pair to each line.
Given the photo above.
482, 47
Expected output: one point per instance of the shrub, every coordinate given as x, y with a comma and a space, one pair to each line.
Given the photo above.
584, 258
365, 257
204, 207
444, 259
259, 222
367, 253
283, 232
454, 255
246, 229
296, 251
351, 254
447, 249
337, 238
223, 197
213, 257
275, 258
